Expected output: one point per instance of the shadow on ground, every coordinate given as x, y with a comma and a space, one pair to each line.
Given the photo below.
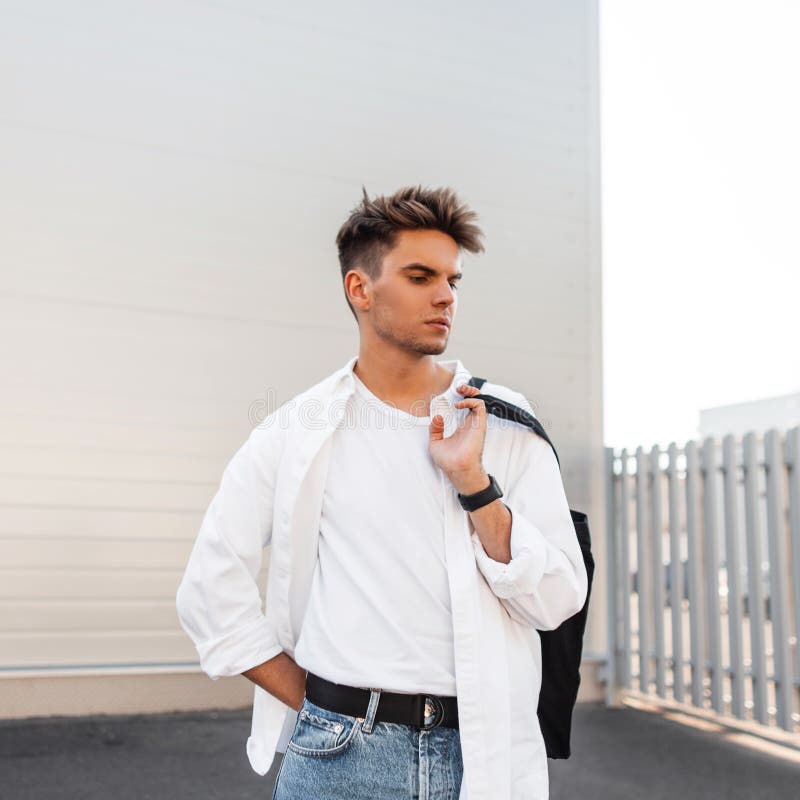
618, 754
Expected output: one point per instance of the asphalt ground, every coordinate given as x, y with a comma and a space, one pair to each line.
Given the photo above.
617, 753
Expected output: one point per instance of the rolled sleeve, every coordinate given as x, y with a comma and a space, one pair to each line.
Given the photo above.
218, 600
545, 582
239, 650
522, 574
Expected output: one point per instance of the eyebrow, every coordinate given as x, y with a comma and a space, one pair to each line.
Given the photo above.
429, 270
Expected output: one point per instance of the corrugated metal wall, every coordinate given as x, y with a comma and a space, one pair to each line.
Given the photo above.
173, 176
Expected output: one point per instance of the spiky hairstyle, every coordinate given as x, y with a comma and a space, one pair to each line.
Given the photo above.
372, 228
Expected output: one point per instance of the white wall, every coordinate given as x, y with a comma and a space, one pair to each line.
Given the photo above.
173, 176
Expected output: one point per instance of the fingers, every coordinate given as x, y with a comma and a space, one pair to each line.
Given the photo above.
470, 403
474, 404
467, 392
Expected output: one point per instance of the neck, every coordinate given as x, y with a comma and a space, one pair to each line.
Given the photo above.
401, 378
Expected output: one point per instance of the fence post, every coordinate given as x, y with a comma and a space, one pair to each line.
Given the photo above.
612, 571
625, 564
793, 462
755, 588
778, 595
711, 550
642, 570
733, 571
657, 562
694, 559
676, 577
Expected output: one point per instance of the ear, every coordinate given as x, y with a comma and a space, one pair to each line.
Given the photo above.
358, 289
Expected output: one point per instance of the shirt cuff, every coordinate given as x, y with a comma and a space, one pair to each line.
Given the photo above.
246, 647
523, 573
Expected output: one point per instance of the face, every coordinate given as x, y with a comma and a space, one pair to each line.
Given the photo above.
418, 283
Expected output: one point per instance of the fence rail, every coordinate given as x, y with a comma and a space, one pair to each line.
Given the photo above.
704, 570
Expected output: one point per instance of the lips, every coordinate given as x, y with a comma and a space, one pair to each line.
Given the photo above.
440, 323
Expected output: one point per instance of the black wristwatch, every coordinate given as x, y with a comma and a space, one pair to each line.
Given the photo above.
472, 502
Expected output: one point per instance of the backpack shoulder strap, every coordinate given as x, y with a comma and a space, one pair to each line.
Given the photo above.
507, 410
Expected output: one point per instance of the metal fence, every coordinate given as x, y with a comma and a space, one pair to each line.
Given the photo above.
704, 601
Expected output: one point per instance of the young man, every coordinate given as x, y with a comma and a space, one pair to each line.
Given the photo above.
398, 654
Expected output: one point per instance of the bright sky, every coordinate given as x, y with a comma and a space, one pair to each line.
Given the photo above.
700, 130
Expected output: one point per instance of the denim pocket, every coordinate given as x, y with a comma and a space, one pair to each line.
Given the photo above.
321, 732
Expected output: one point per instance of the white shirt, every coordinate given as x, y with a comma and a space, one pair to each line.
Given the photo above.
379, 609
271, 494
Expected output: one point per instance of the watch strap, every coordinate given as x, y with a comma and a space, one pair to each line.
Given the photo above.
472, 502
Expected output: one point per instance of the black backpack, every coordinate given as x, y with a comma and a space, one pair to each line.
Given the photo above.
562, 647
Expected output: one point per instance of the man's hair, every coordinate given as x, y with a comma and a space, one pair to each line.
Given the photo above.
372, 228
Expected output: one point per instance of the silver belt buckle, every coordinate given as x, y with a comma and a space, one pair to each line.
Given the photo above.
433, 708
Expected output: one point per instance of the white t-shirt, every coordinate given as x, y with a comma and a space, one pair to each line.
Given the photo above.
379, 611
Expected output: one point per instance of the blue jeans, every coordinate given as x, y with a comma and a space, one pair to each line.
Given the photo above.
333, 756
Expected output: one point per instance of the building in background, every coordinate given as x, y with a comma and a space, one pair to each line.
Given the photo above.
174, 176
781, 412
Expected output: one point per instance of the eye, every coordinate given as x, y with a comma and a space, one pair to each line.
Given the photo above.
416, 278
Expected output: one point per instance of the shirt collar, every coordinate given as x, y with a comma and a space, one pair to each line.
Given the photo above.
344, 381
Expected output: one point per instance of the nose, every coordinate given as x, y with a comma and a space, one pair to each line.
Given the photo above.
448, 296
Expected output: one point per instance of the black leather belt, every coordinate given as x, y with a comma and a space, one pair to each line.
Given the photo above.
424, 711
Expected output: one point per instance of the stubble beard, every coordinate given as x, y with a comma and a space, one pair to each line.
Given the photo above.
411, 343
